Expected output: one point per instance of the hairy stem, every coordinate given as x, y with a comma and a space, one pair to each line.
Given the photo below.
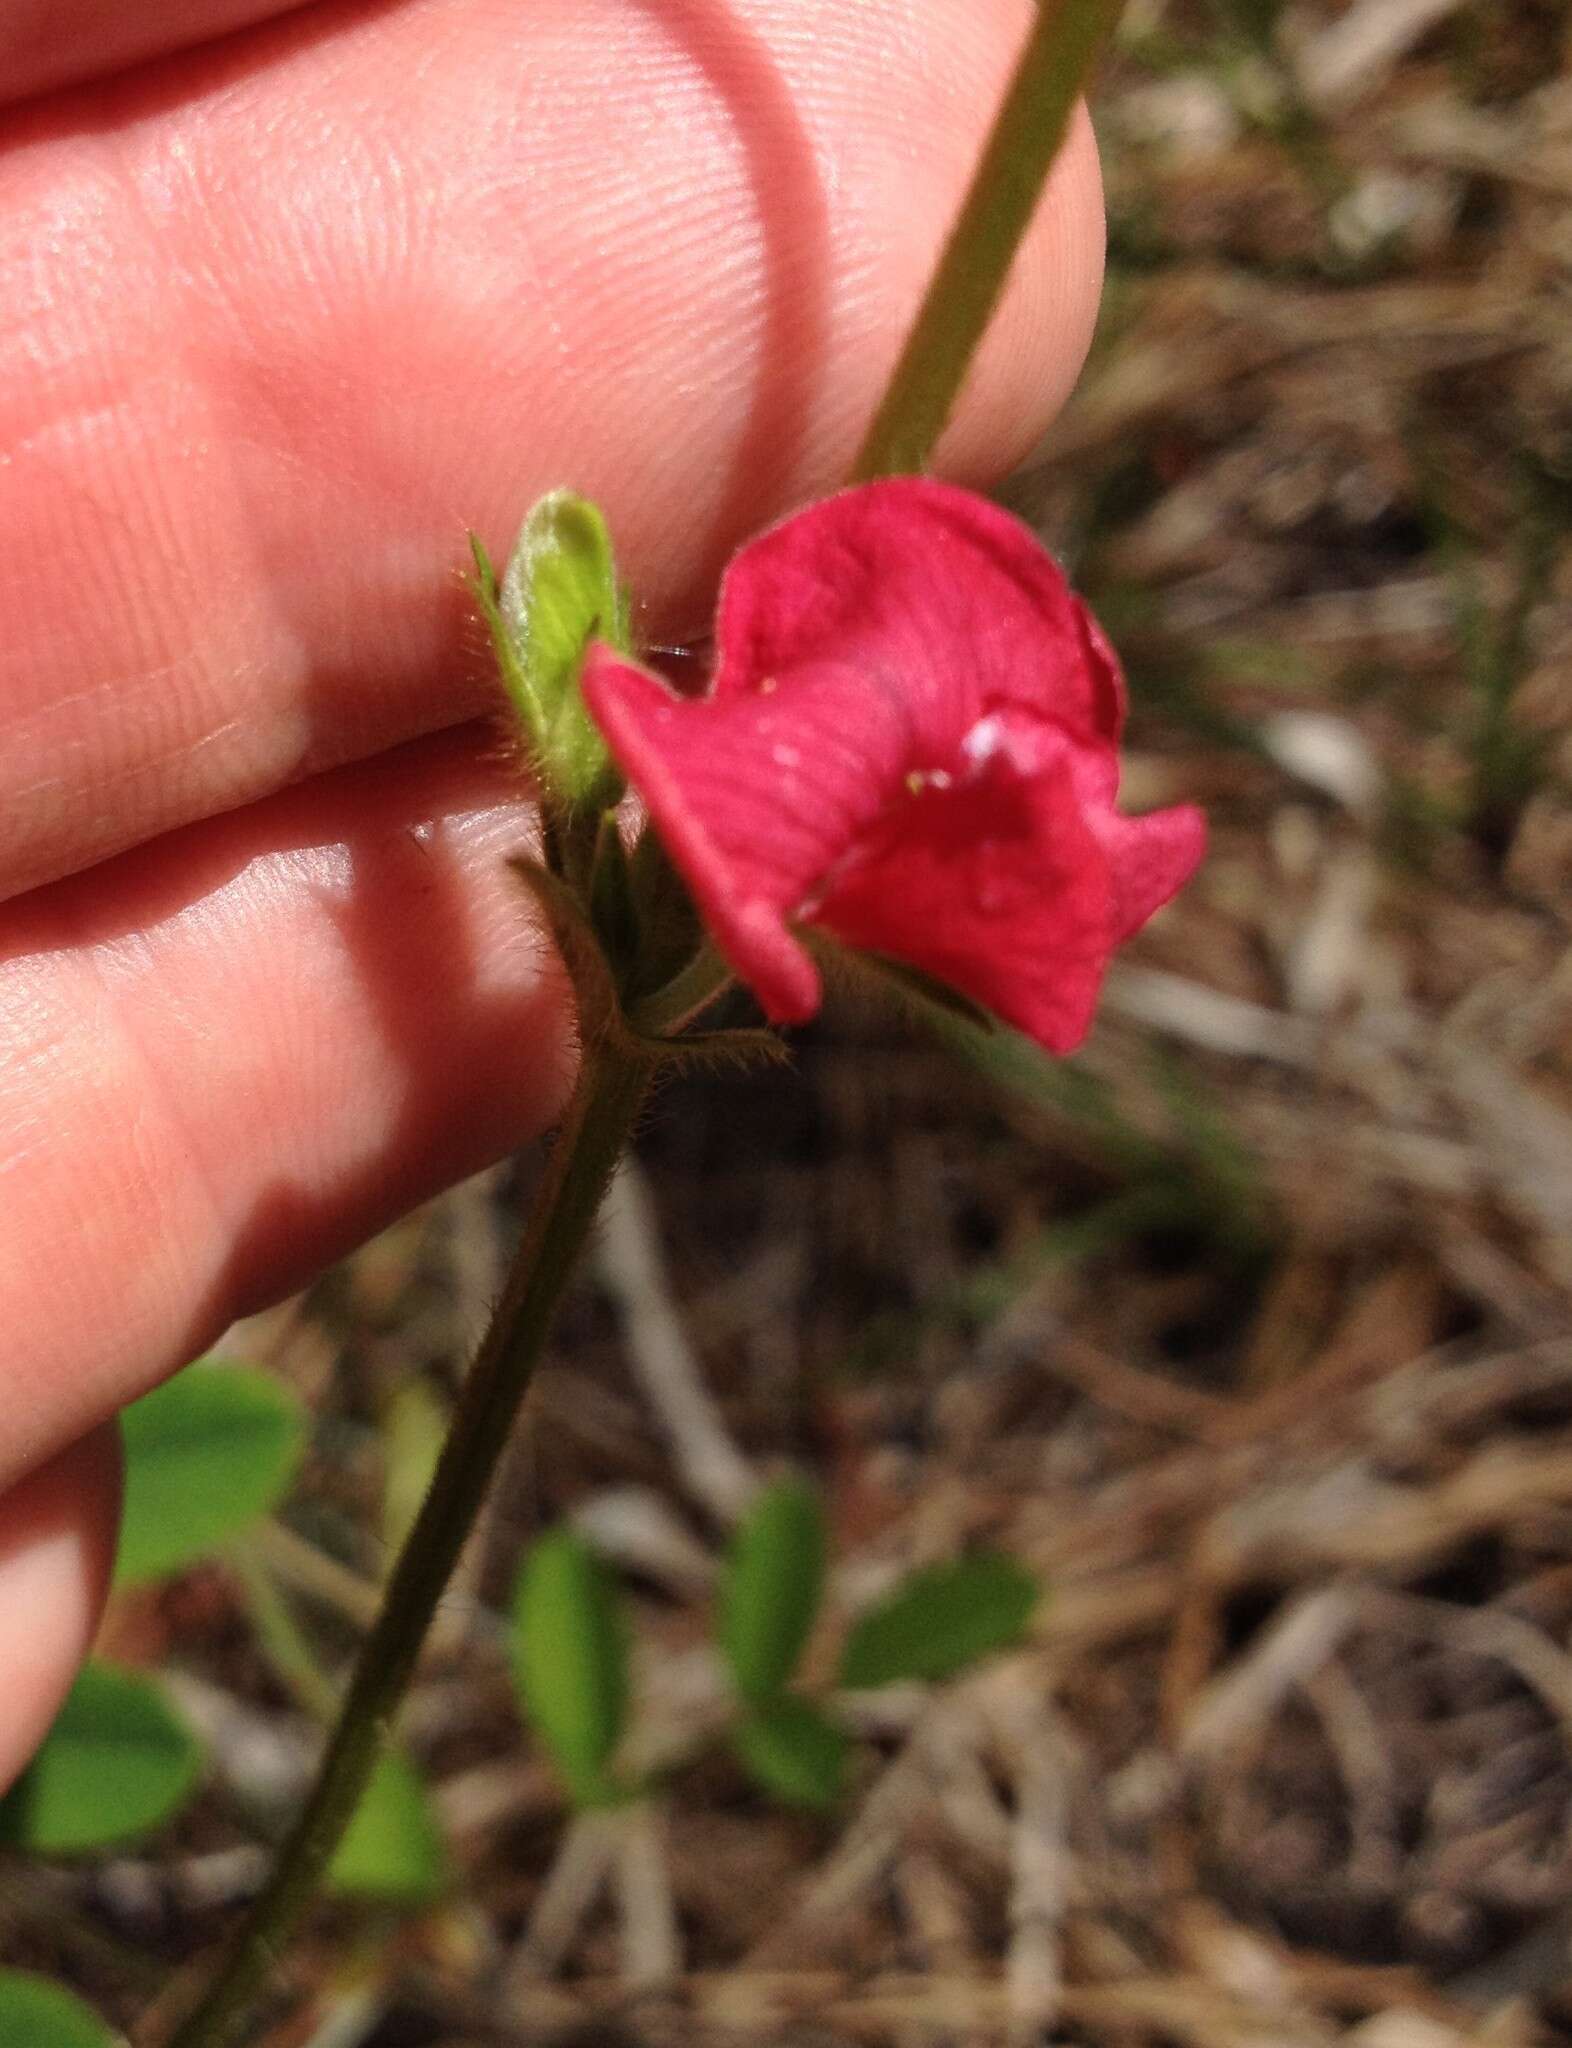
672, 1008
964, 290
612, 1085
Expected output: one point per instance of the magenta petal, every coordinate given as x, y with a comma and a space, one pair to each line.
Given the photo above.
1109, 698
911, 739
754, 798
999, 888
1150, 859
936, 597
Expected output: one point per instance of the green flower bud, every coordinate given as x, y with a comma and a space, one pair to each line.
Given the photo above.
558, 593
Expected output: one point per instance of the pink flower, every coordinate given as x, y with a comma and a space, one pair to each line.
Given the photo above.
911, 741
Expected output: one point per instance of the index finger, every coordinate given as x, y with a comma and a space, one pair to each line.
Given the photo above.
45, 44
290, 314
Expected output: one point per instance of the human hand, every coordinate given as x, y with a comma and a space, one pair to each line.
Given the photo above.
284, 314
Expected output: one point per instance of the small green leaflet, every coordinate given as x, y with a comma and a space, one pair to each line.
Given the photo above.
37, 2014
393, 1849
940, 1620
794, 1751
206, 1455
570, 1660
772, 1589
116, 1763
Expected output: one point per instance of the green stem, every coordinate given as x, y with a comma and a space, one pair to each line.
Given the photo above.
691, 990
612, 1085
1006, 186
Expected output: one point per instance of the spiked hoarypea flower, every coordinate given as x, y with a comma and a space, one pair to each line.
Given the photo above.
910, 741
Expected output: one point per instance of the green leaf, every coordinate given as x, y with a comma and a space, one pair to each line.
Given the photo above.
793, 1751
206, 1454
570, 1660
558, 592
772, 1589
393, 1849
939, 1620
37, 2014
116, 1763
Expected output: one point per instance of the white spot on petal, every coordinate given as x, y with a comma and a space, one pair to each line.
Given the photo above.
984, 740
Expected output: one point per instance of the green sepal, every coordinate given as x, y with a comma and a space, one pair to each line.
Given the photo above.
558, 592
515, 677
668, 925
611, 897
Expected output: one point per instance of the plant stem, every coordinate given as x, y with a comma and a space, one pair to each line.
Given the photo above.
612, 1085
1030, 126
672, 1008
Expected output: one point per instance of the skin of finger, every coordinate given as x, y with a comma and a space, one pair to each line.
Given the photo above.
45, 44
235, 1053
288, 314
57, 1548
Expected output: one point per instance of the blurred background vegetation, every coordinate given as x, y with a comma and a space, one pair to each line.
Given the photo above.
1248, 1332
